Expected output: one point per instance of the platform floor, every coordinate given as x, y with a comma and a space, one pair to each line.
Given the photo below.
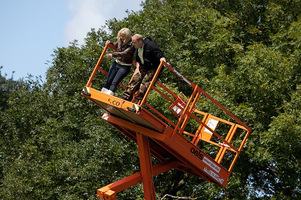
130, 118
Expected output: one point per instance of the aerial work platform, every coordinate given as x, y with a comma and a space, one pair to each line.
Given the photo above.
171, 128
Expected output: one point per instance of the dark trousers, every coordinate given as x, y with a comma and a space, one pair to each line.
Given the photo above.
115, 75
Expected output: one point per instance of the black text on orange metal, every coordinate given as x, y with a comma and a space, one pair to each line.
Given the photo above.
114, 102
196, 153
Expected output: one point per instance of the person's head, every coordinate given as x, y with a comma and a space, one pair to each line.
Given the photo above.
124, 35
137, 41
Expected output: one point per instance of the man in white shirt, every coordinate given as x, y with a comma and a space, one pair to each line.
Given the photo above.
148, 57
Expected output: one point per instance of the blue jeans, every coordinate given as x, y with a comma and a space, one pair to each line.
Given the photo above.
115, 75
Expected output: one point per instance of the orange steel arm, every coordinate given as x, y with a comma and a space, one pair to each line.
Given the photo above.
113, 188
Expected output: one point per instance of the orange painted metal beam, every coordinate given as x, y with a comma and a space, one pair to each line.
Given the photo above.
146, 167
110, 191
185, 151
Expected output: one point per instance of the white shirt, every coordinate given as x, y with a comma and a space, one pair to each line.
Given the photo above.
140, 54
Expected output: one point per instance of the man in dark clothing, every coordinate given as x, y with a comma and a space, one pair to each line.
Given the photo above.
148, 57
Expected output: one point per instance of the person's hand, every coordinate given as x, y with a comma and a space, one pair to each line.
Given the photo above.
108, 42
162, 59
137, 71
109, 55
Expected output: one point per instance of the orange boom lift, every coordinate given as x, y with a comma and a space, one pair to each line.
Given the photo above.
178, 134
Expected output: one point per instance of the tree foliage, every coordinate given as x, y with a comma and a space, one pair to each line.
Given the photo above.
246, 54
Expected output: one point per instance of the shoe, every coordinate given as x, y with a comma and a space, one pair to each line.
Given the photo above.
109, 92
136, 101
104, 90
124, 98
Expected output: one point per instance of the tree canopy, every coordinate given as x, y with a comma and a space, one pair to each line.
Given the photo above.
246, 54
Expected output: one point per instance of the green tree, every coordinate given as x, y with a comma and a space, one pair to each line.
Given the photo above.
246, 54
55, 146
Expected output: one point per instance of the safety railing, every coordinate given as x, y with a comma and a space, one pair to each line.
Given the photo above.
185, 110
228, 138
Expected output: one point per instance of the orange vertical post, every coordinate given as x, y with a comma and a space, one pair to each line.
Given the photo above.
89, 83
146, 167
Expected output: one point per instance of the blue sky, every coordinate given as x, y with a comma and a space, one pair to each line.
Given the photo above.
32, 29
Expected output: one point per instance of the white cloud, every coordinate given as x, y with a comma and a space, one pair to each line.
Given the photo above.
87, 14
